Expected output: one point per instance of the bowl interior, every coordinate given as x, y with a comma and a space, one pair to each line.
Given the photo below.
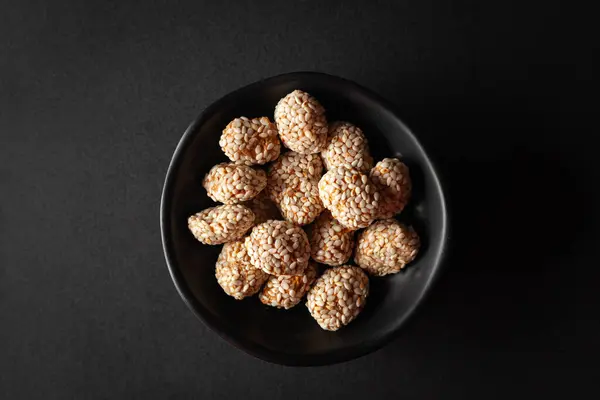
293, 337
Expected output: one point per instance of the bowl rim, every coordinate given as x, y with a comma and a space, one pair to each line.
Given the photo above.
211, 321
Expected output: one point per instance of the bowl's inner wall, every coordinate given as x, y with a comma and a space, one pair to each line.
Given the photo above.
294, 332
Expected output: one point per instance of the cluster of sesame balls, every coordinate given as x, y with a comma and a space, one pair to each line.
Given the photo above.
290, 221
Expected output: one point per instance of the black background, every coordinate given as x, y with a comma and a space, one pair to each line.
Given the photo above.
95, 95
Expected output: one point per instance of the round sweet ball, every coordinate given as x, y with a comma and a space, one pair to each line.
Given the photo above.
217, 225
289, 169
386, 247
350, 196
338, 296
263, 208
230, 183
392, 180
285, 291
347, 146
301, 204
331, 243
279, 248
234, 272
250, 141
301, 123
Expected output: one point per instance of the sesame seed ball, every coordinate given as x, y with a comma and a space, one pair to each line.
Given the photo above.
350, 196
279, 248
263, 208
301, 123
285, 291
289, 169
301, 204
338, 296
386, 247
234, 272
331, 243
230, 183
221, 224
347, 146
391, 178
250, 141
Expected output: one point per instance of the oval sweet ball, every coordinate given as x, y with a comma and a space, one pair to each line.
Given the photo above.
250, 141
386, 247
392, 180
229, 183
350, 197
338, 296
279, 248
289, 169
347, 147
217, 225
235, 274
301, 204
331, 243
301, 123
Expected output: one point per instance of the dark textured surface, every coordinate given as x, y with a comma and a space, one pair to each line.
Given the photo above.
95, 95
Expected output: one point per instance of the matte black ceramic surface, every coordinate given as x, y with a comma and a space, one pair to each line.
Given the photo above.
293, 337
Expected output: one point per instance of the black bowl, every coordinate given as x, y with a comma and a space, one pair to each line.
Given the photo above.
293, 337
